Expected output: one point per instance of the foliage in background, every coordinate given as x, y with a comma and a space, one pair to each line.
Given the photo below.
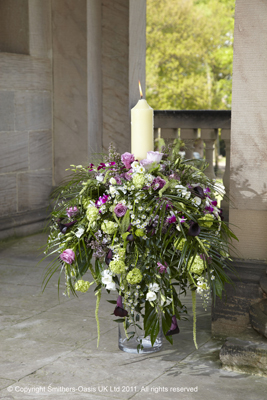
189, 53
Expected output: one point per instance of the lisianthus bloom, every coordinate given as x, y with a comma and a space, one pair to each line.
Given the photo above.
68, 256
71, 211
162, 268
120, 210
146, 163
158, 183
154, 287
127, 159
174, 327
107, 280
154, 156
194, 229
119, 310
151, 296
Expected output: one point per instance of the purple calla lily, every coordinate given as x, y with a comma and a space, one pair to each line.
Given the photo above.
108, 257
199, 192
194, 229
174, 327
119, 310
64, 227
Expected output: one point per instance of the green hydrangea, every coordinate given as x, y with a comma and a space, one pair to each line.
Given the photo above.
197, 266
121, 253
139, 232
138, 181
117, 266
92, 214
207, 220
82, 286
135, 276
179, 245
109, 227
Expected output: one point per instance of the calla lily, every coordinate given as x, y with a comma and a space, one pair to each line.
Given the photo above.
108, 257
174, 327
198, 191
119, 310
64, 227
194, 229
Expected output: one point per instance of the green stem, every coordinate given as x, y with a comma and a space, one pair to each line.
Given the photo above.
194, 317
98, 294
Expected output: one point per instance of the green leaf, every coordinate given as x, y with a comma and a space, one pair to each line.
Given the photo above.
125, 222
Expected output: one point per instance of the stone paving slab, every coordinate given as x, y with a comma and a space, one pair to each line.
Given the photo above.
49, 347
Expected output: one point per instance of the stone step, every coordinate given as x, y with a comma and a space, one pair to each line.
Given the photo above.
263, 283
258, 317
245, 356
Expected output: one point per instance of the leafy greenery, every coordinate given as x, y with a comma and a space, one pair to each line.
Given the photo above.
189, 53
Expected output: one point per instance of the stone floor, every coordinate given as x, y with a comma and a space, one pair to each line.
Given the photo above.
48, 346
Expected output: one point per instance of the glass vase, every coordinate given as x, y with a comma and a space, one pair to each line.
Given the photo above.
134, 341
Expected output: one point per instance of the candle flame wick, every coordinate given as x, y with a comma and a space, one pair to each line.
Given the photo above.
140, 90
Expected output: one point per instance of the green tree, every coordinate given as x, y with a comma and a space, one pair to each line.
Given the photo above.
189, 53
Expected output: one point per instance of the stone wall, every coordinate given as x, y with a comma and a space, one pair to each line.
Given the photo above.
26, 123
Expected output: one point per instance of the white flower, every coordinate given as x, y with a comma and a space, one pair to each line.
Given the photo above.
212, 277
141, 170
187, 196
112, 181
135, 165
154, 156
196, 201
151, 296
100, 178
79, 232
219, 187
181, 189
111, 286
154, 287
112, 190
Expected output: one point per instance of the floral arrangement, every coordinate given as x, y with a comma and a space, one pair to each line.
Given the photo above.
148, 229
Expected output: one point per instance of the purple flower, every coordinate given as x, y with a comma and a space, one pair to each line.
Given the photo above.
64, 227
127, 176
146, 163
108, 257
209, 209
172, 219
214, 203
162, 268
198, 191
118, 180
119, 310
182, 220
101, 166
102, 200
71, 211
194, 229
174, 327
68, 256
158, 183
120, 210
154, 156
127, 159
207, 190
91, 167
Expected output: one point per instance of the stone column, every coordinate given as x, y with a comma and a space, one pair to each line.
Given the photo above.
248, 167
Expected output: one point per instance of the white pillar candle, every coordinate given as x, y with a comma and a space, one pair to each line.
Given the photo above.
142, 129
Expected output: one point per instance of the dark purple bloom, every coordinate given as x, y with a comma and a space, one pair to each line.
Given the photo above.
120, 210
64, 227
172, 219
209, 209
194, 229
214, 203
130, 237
198, 191
101, 166
119, 310
91, 167
174, 327
207, 190
109, 256
221, 213
158, 183
112, 163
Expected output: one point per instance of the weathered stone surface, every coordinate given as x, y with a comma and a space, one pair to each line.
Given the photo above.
40, 28
33, 110
70, 85
14, 151
258, 317
34, 189
40, 150
7, 115
246, 356
8, 191
263, 283
14, 26
21, 72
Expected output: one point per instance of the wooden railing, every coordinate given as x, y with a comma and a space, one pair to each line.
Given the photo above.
198, 124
